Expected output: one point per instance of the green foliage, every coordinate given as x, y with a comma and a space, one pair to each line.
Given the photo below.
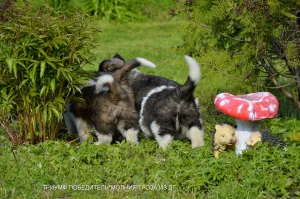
263, 172
57, 5
118, 10
114, 10
258, 36
259, 173
284, 127
41, 59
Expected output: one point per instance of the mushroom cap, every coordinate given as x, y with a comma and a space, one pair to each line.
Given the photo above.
253, 106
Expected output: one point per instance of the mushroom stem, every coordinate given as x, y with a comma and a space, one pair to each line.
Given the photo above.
244, 131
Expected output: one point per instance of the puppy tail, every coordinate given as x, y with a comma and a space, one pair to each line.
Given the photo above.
131, 64
194, 76
102, 81
107, 82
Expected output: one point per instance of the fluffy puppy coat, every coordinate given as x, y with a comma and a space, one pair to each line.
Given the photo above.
108, 110
112, 64
141, 84
169, 112
167, 109
107, 66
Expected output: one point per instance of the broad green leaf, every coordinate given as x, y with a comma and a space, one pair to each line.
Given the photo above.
14, 67
45, 115
3, 93
37, 109
42, 69
32, 73
49, 114
51, 64
52, 84
21, 63
56, 113
9, 62
23, 83
42, 52
59, 99
42, 90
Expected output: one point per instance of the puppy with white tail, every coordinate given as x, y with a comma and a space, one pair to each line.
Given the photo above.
108, 106
169, 112
167, 109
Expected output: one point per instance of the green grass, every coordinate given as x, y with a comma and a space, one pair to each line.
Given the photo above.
264, 172
156, 41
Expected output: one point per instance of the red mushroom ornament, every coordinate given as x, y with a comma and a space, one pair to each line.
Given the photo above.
247, 110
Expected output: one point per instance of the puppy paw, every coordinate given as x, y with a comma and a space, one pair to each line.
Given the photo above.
198, 144
131, 136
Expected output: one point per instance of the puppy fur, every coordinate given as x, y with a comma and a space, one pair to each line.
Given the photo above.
72, 123
112, 64
169, 112
108, 110
107, 66
167, 109
140, 83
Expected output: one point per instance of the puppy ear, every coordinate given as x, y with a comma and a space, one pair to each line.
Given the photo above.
119, 57
102, 66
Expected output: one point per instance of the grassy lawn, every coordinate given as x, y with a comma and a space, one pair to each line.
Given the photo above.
69, 170
158, 42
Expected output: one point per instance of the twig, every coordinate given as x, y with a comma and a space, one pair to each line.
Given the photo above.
78, 137
8, 132
281, 86
214, 67
207, 26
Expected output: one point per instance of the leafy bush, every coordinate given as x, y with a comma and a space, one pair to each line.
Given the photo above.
41, 57
259, 37
285, 127
113, 10
57, 5
118, 10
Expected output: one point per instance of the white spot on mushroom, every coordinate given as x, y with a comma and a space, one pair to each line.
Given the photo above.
239, 108
272, 107
251, 116
220, 97
223, 102
250, 108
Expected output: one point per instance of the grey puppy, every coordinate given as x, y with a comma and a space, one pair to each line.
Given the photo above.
108, 106
167, 109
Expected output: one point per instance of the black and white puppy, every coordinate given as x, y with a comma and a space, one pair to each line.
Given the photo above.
108, 110
169, 112
167, 109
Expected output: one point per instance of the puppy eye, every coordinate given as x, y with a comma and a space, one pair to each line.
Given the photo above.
223, 136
